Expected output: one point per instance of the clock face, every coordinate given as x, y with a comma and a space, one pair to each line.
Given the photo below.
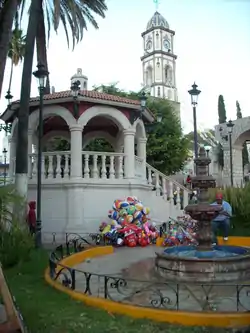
166, 44
149, 45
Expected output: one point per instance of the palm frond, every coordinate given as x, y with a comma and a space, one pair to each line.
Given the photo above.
73, 14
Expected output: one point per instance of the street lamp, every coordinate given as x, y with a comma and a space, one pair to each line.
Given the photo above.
5, 167
41, 74
9, 97
230, 126
138, 115
194, 93
75, 88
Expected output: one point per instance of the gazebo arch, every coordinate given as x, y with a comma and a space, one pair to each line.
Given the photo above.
53, 110
139, 127
99, 135
109, 112
52, 134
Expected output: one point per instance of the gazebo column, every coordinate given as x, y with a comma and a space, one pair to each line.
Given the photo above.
129, 151
142, 154
12, 155
75, 194
76, 151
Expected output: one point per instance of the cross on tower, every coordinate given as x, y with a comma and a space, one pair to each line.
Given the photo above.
156, 2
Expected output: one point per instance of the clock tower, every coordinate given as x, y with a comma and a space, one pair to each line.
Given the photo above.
159, 60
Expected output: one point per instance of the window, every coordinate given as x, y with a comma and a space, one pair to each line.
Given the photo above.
168, 75
149, 76
159, 92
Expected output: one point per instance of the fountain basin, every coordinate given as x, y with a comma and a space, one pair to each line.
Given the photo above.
187, 264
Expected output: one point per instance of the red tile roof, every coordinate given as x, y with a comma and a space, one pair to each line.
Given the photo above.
88, 94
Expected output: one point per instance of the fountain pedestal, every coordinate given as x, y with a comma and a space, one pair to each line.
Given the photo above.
204, 263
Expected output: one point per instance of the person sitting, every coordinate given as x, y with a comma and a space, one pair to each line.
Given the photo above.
223, 219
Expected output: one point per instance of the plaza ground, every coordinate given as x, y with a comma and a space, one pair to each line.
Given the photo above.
46, 310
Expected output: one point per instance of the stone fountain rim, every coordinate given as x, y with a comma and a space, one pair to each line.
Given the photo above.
221, 260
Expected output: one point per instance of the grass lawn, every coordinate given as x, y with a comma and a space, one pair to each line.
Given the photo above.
46, 310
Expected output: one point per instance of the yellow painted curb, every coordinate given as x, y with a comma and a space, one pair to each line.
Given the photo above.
234, 241
226, 319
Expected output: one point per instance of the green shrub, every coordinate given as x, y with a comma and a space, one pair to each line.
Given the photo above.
15, 239
15, 245
239, 198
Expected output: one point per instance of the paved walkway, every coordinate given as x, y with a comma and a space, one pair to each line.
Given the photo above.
135, 265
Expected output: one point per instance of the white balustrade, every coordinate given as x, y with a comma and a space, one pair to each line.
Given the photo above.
54, 165
170, 190
103, 165
139, 167
95, 165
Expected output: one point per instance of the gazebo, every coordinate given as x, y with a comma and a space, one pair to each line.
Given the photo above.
79, 186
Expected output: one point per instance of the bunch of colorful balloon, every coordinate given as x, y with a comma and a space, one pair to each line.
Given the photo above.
180, 232
130, 210
130, 224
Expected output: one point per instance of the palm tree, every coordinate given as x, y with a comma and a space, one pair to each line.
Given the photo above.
8, 11
68, 12
72, 14
16, 50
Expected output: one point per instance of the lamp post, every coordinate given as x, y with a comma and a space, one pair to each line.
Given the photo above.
138, 115
75, 88
230, 126
7, 127
194, 93
5, 168
41, 74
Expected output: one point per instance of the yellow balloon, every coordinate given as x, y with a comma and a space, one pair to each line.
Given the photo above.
106, 229
139, 207
146, 210
129, 218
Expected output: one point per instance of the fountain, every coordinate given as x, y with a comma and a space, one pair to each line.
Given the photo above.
204, 262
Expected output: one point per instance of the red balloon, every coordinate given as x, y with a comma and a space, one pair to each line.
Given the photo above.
131, 240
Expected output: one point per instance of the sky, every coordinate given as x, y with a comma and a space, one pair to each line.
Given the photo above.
212, 42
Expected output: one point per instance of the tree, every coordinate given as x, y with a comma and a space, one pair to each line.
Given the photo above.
167, 148
16, 50
222, 119
222, 110
72, 13
8, 11
238, 109
206, 138
23, 112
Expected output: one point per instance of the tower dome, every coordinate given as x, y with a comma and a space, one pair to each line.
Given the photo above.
157, 20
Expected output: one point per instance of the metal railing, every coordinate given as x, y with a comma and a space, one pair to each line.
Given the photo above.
153, 293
